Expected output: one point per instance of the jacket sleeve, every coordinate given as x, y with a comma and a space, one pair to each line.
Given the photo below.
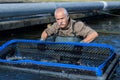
82, 30
52, 29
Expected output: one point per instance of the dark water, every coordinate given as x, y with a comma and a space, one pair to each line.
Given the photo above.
34, 33
9, 74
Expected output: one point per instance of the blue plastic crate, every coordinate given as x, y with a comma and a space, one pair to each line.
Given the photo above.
66, 59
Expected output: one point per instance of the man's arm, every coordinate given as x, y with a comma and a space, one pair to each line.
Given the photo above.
90, 37
44, 35
83, 30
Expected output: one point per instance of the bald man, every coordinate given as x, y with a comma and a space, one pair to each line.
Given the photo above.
67, 29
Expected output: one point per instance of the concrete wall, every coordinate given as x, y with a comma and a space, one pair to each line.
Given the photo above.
13, 24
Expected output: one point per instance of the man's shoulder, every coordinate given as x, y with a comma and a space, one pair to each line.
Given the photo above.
55, 24
78, 23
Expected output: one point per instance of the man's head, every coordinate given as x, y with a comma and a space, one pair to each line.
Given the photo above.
62, 17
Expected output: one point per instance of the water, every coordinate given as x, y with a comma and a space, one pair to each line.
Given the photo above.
35, 32
110, 39
9, 74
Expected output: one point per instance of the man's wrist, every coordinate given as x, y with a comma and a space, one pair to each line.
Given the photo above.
42, 39
81, 41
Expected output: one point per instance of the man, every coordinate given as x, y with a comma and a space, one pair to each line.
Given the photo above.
67, 29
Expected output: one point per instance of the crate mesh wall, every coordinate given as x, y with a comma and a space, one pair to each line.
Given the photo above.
90, 56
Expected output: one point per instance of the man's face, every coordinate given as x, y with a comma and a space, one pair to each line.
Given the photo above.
62, 19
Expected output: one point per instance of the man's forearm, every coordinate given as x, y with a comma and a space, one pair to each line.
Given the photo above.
43, 35
90, 37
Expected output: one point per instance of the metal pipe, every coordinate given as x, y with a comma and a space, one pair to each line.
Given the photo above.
25, 9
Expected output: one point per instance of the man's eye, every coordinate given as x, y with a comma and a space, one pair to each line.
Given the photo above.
57, 19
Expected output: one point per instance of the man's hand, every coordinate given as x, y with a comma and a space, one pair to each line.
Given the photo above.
42, 40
